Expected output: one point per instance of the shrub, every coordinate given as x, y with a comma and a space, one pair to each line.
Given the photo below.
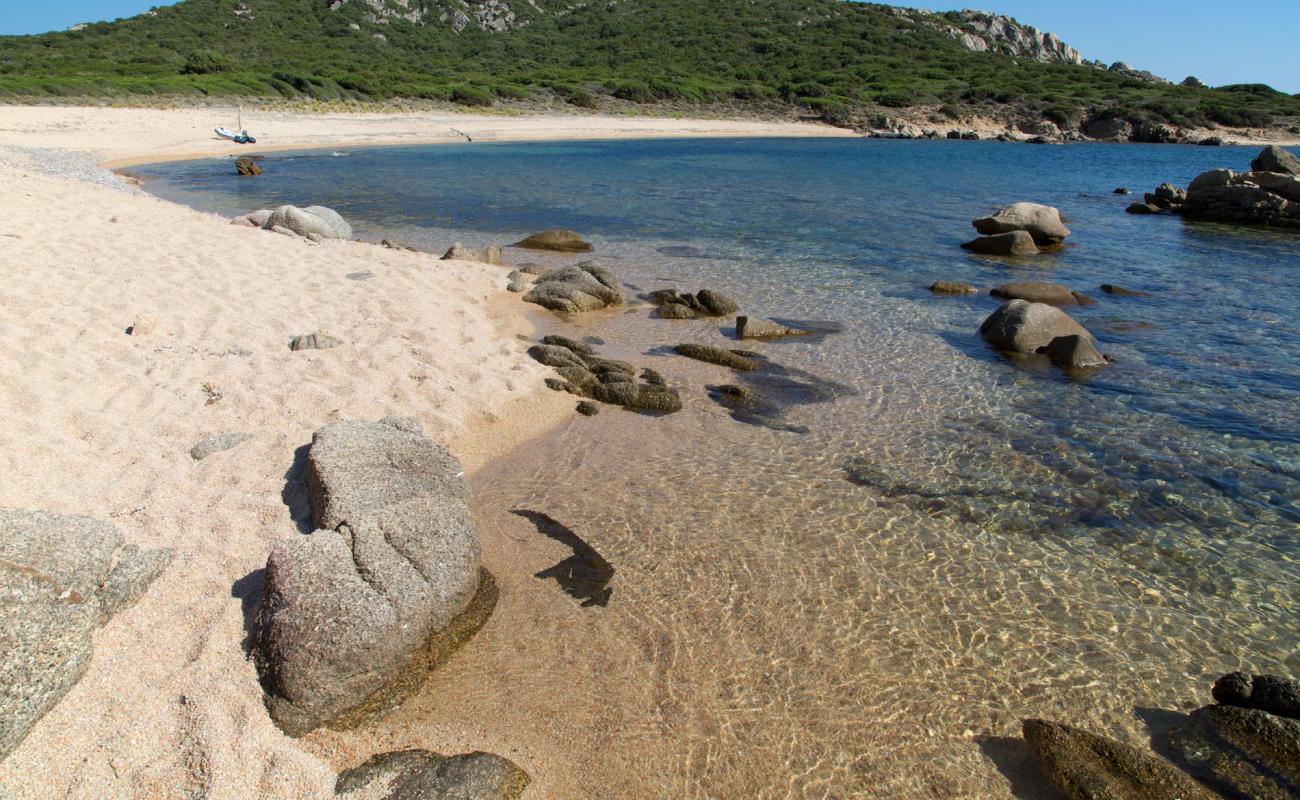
471, 96
895, 99
635, 91
206, 62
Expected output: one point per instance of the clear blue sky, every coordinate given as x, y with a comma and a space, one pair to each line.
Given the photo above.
1247, 41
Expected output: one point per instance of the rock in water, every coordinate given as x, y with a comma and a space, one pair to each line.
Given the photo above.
759, 328
61, 577
1241, 752
584, 287
1015, 243
586, 374
557, 239
322, 221
674, 311
716, 355
1041, 222
716, 304
1119, 291
422, 775
1023, 327
1271, 693
1074, 353
1276, 159
349, 612
952, 287
247, 166
1085, 766
1036, 292
705, 303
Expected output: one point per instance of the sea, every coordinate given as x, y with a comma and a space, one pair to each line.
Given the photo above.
862, 588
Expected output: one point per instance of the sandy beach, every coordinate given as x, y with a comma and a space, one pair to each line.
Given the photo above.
99, 422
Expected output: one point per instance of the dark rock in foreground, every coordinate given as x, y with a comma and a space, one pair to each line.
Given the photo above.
61, 577
1015, 243
1271, 693
584, 287
585, 374
556, 239
1084, 766
352, 614
734, 359
422, 775
1241, 752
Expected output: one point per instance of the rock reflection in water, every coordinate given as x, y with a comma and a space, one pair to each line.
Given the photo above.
584, 575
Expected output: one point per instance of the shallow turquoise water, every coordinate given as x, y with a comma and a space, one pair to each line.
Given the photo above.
986, 538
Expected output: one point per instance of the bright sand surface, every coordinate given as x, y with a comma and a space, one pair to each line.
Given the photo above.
99, 422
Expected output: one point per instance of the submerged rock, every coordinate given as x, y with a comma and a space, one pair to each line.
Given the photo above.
1074, 352
1085, 766
355, 615
1036, 292
1271, 693
952, 287
557, 239
735, 359
584, 287
61, 577
1019, 326
1240, 752
614, 382
679, 305
1120, 291
1015, 243
759, 328
423, 775
1042, 222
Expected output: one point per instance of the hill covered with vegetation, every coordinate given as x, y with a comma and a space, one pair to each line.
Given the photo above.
848, 62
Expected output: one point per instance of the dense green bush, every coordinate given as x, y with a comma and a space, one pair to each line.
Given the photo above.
471, 96
206, 62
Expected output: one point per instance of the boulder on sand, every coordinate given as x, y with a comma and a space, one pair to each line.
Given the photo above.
324, 222
1014, 243
557, 239
1019, 326
583, 287
253, 219
1084, 766
488, 255
1042, 222
350, 613
61, 577
422, 775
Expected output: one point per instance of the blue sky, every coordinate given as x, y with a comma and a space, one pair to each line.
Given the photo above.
1248, 41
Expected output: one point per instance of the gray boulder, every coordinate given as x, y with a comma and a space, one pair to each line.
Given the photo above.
556, 239
1240, 752
1084, 766
422, 775
1019, 326
352, 614
1243, 203
1214, 177
1276, 159
1014, 243
459, 252
1074, 352
253, 219
61, 577
1036, 292
570, 290
217, 443
1143, 209
1039, 221
952, 287
319, 220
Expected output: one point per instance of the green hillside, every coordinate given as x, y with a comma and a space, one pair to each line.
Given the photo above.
844, 61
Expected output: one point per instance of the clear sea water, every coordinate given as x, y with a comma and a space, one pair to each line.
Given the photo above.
958, 540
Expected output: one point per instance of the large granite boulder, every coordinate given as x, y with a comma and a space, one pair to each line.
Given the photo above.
1013, 243
1042, 222
1084, 766
1276, 159
253, 219
1240, 752
583, 287
1242, 202
350, 611
1272, 693
422, 775
556, 239
61, 577
318, 220
704, 303
1019, 326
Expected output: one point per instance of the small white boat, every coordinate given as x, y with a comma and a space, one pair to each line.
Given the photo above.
237, 138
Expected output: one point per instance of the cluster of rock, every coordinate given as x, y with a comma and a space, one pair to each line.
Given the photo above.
671, 304
584, 373
355, 614
493, 16
315, 223
1269, 194
1248, 746
1018, 229
571, 290
982, 32
61, 577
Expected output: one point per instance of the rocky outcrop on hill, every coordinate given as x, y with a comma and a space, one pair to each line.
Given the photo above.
984, 33
61, 577
495, 16
356, 613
